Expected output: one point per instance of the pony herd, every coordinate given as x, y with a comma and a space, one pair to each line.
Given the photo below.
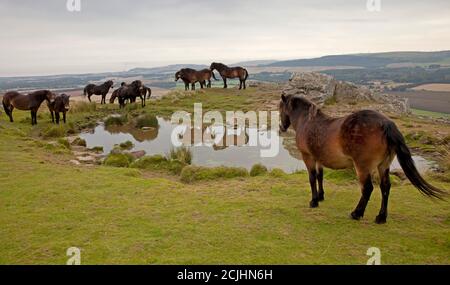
191, 76
58, 104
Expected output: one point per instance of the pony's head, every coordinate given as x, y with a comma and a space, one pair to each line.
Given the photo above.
49, 96
291, 107
109, 84
66, 101
177, 75
213, 66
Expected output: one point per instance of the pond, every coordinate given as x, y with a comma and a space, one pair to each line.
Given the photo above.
158, 141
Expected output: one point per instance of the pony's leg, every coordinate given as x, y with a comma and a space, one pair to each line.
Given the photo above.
225, 82
8, 111
193, 86
385, 185
319, 169
209, 84
53, 117
186, 86
64, 116
245, 86
57, 117
33, 118
311, 166
240, 84
365, 182
10, 115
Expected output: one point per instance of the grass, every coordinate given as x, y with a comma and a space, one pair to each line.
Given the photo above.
146, 120
191, 174
159, 163
145, 215
116, 120
430, 114
257, 170
118, 160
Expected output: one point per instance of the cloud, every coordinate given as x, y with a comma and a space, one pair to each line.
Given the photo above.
43, 37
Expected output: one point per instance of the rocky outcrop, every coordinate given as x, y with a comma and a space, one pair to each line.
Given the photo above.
323, 89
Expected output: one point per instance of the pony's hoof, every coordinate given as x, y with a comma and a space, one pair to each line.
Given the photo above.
355, 216
314, 204
321, 198
380, 220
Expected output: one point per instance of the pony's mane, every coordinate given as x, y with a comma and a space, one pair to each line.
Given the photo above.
220, 65
299, 103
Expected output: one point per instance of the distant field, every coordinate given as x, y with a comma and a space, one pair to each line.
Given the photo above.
437, 87
427, 100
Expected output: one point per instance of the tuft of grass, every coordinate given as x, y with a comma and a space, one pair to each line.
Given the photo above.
54, 132
79, 142
191, 174
258, 170
119, 160
116, 120
126, 145
146, 120
159, 162
82, 107
64, 142
182, 154
97, 149
276, 172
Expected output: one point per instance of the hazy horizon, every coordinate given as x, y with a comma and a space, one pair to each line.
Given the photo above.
44, 38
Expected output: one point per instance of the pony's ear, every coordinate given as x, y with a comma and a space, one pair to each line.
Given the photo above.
283, 98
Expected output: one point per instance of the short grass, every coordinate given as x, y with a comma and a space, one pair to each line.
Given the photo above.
430, 114
141, 216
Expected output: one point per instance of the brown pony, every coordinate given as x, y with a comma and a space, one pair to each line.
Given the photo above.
115, 93
131, 92
102, 90
231, 72
22, 102
60, 105
365, 140
191, 76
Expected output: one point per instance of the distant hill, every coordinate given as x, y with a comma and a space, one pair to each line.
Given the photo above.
252, 63
371, 60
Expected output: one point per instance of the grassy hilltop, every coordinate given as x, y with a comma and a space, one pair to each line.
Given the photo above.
150, 216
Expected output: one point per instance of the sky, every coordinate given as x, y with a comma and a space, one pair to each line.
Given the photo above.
45, 37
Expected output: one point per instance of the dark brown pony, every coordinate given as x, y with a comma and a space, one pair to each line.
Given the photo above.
60, 105
131, 92
365, 140
102, 90
231, 72
191, 76
22, 102
115, 93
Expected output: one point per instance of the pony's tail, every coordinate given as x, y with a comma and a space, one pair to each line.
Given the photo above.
213, 75
397, 143
246, 74
149, 91
85, 91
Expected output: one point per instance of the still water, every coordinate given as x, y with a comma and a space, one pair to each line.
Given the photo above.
158, 141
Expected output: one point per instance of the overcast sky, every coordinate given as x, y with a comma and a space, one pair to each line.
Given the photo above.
43, 37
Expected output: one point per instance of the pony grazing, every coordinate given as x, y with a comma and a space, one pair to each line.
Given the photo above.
365, 140
60, 105
22, 102
231, 72
131, 92
102, 90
